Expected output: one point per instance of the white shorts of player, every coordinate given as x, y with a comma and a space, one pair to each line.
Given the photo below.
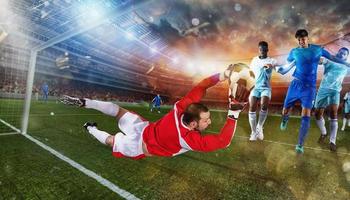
130, 144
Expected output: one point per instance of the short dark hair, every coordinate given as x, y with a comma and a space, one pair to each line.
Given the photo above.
263, 44
301, 33
193, 111
345, 49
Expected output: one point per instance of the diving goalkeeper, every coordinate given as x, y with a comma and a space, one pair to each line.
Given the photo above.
177, 132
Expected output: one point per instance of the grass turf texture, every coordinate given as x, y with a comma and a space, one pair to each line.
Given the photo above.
245, 170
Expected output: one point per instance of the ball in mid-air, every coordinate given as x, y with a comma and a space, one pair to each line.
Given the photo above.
241, 81
195, 21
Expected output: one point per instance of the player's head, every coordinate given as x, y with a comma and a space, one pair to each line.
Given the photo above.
197, 117
263, 48
303, 38
343, 53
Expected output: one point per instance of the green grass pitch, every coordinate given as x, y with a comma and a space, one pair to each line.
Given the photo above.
268, 169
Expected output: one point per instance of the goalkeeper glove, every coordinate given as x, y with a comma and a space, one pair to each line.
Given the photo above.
235, 108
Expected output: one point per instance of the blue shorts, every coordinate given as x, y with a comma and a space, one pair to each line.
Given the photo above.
326, 97
258, 93
156, 105
299, 91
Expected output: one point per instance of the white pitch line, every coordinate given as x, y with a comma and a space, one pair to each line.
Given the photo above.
123, 193
293, 145
9, 125
288, 144
10, 133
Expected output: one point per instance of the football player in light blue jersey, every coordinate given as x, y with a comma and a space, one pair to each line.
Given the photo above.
346, 110
262, 68
303, 88
328, 95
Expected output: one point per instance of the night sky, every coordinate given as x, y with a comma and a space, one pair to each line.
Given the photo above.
235, 27
229, 31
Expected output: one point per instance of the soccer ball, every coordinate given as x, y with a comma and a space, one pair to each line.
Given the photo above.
241, 81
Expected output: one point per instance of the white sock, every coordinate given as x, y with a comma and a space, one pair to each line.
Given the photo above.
107, 108
321, 125
262, 118
99, 135
344, 123
348, 122
334, 129
252, 121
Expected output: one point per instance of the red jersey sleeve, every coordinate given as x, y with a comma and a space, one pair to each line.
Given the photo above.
196, 94
207, 143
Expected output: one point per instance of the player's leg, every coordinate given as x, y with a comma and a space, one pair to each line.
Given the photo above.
304, 128
107, 108
333, 127
307, 96
152, 106
321, 124
321, 102
253, 101
344, 119
344, 123
101, 136
158, 108
291, 98
347, 113
263, 111
345, 116
334, 101
264, 102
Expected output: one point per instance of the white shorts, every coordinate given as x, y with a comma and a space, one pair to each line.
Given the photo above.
129, 144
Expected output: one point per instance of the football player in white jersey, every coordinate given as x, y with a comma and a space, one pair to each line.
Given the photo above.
262, 66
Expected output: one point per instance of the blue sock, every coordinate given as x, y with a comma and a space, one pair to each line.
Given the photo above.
304, 128
285, 117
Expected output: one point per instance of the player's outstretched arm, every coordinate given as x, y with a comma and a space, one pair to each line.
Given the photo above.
207, 143
197, 93
333, 58
283, 69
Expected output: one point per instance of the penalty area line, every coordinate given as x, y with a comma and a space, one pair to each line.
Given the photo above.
286, 144
123, 193
10, 133
293, 145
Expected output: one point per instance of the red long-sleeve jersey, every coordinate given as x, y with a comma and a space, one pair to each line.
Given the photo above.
169, 136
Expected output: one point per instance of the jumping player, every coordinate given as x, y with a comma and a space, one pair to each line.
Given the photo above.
328, 95
177, 132
303, 88
262, 67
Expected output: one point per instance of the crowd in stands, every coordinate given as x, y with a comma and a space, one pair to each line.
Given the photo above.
16, 84
60, 86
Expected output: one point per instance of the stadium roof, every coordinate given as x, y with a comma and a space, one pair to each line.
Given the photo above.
145, 44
